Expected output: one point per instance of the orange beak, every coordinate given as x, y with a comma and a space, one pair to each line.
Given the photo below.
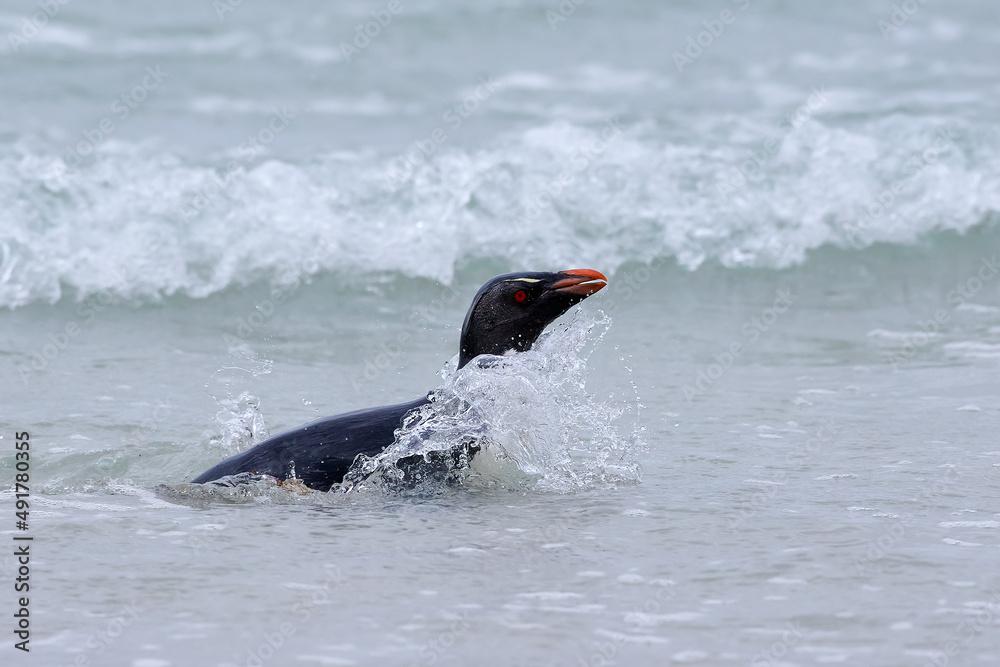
583, 282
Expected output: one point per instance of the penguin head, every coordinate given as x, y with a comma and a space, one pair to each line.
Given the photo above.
511, 311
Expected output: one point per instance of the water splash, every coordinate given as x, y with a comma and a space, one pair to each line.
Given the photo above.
242, 423
523, 421
240, 417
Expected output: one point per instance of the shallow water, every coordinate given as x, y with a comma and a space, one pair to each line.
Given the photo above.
770, 440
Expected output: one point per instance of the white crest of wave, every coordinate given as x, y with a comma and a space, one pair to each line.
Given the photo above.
143, 225
531, 415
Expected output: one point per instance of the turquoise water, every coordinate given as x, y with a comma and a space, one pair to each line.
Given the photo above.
770, 440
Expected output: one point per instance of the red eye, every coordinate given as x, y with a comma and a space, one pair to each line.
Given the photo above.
520, 296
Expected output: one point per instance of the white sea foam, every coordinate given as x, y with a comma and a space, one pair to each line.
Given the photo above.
143, 224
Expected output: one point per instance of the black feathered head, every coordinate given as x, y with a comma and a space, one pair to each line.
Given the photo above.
511, 311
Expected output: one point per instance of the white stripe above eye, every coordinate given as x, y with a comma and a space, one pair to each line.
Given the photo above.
525, 280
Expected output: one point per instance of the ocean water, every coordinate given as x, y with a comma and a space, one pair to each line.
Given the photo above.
771, 440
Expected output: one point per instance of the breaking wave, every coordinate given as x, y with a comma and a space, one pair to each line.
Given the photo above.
143, 224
